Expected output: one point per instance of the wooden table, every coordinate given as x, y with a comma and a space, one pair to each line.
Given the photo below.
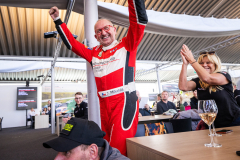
184, 145
41, 121
153, 119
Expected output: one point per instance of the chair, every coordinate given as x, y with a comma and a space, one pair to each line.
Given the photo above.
28, 119
140, 130
181, 125
1, 119
32, 119
169, 127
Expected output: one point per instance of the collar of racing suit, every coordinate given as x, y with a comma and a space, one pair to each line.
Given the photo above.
113, 44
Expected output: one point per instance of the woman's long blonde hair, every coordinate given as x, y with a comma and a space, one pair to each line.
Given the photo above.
218, 65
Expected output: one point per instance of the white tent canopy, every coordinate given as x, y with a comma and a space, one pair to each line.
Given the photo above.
20, 66
159, 22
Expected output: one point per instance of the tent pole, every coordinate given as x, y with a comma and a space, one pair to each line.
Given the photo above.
69, 10
90, 18
52, 100
158, 80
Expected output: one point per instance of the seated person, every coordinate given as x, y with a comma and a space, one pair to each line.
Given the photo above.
154, 107
45, 111
164, 105
145, 111
194, 100
83, 139
30, 116
31, 113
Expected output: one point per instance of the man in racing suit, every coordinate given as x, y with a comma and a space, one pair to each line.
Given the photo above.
113, 65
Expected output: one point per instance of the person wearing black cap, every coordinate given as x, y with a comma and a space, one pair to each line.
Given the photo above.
83, 139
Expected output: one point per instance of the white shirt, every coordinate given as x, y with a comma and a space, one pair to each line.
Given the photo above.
32, 113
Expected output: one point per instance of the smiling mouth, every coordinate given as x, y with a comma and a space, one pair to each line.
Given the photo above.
105, 37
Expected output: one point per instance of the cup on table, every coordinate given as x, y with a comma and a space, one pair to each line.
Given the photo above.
152, 113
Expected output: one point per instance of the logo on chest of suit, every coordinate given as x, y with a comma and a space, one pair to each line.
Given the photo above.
104, 62
100, 54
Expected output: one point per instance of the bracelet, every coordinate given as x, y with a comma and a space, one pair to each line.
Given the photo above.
193, 62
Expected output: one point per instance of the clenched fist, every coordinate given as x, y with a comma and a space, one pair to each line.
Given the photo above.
54, 12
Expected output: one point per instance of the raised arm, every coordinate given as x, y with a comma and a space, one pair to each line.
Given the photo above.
209, 78
67, 37
183, 84
138, 21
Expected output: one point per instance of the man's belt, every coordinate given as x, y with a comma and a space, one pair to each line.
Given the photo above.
130, 87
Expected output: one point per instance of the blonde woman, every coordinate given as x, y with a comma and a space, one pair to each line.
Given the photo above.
212, 83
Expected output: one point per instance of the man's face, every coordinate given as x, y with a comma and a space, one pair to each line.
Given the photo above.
165, 96
49, 102
103, 36
158, 98
78, 99
74, 154
147, 107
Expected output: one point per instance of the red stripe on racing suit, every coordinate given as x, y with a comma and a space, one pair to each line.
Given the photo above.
114, 71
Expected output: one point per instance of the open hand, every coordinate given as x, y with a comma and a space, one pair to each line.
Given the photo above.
54, 12
184, 59
187, 54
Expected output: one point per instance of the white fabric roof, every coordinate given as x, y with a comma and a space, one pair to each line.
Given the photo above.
166, 23
159, 22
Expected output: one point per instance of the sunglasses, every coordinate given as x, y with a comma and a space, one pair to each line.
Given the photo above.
211, 53
105, 28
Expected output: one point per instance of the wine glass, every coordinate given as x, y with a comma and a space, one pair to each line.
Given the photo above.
214, 131
207, 110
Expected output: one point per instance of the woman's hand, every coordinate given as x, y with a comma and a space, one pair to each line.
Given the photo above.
185, 62
187, 54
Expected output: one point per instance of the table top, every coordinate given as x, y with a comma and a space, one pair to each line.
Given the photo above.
190, 145
156, 117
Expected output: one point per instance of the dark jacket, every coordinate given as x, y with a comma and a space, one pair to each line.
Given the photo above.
82, 111
194, 103
144, 112
163, 107
110, 153
50, 115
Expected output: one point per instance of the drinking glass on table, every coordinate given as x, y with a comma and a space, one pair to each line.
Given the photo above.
214, 131
207, 110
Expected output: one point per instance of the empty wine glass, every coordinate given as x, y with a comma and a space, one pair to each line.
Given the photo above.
207, 110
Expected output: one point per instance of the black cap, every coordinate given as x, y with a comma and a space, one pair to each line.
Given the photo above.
77, 131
